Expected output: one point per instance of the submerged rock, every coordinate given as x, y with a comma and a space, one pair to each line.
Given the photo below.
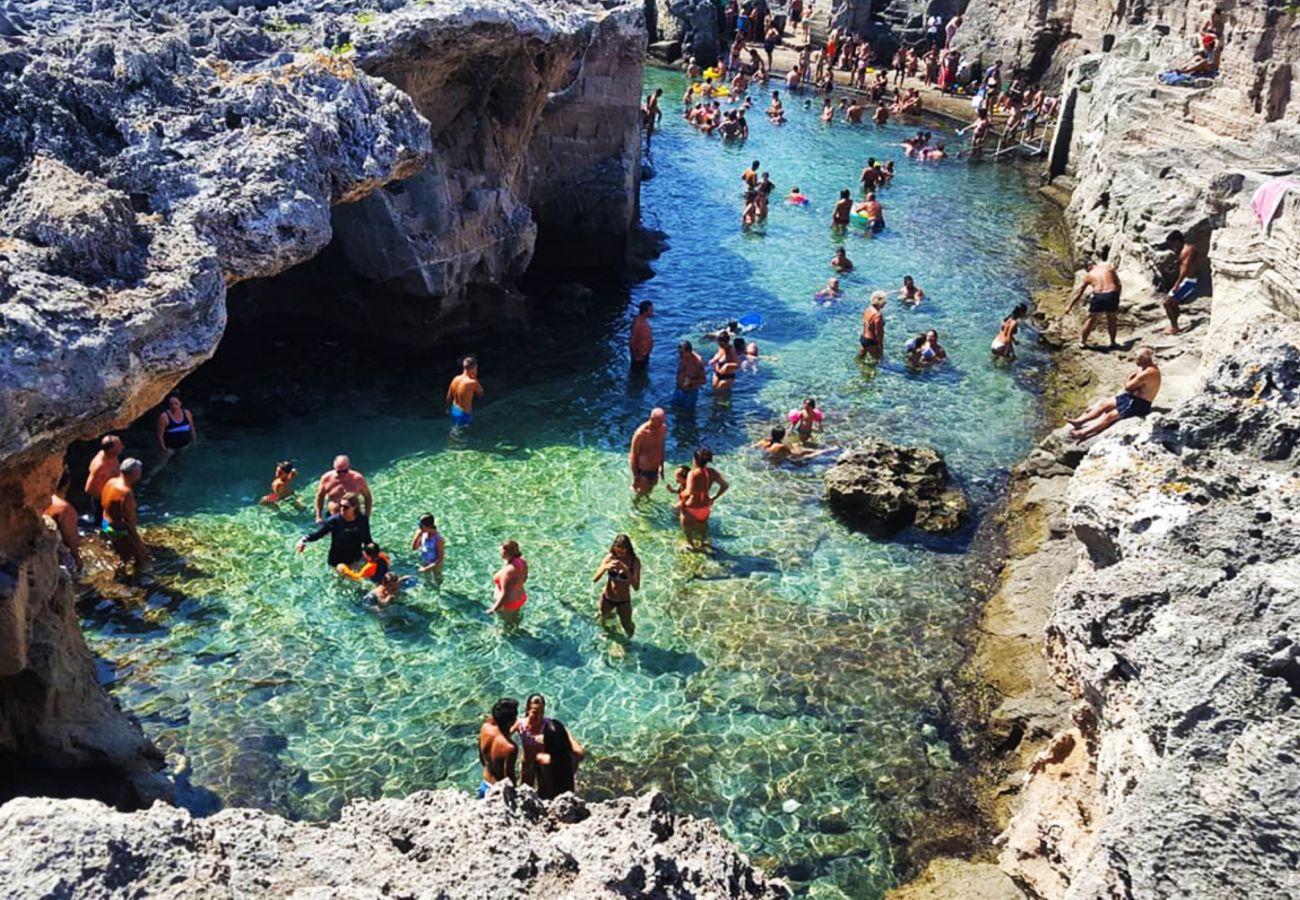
882, 487
430, 844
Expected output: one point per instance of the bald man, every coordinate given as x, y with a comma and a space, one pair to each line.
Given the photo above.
340, 480
647, 454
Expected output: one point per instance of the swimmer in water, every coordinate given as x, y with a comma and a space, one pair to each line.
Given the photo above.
121, 516
508, 594
282, 485
1004, 345
795, 198
828, 295
374, 566
873, 212
807, 419
840, 262
387, 591
461, 393
932, 353
725, 364
910, 294
621, 569
433, 550
750, 216
678, 489
840, 214
776, 450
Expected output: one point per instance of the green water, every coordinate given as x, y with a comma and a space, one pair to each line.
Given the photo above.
785, 685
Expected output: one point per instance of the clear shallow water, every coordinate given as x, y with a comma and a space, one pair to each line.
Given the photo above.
783, 685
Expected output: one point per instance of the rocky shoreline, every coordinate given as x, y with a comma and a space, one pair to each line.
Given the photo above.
1140, 641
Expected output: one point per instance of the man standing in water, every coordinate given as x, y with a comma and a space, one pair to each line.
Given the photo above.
872, 340
103, 468
642, 340
843, 207
647, 454
690, 376
340, 480
750, 175
1104, 281
1185, 284
462, 391
120, 519
496, 749
64, 517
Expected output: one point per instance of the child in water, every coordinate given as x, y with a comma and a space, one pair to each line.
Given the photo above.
430, 544
282, 485
680, 474
375, 567
387, 592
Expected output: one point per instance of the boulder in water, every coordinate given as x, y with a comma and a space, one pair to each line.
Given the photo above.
881, 487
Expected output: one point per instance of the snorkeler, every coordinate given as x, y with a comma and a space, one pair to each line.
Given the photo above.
461, 393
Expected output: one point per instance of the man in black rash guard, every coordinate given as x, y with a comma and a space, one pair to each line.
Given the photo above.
348, 529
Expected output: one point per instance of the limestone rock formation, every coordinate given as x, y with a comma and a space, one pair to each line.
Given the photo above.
1177, 631
430, 844
882, 487
695, 25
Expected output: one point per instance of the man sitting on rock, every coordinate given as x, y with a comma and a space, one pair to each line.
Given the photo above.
1140, 389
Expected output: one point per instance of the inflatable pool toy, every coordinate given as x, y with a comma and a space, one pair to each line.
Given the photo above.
796, 414
860, 218
720, 90
750, 322
713, 73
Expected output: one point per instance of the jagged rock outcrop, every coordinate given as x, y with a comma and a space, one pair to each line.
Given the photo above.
430, 844
154, 153
1177, 631
881, 487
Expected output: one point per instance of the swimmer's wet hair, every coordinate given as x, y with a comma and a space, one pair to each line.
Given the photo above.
1020, 311
681, 471
427, 521
703, 456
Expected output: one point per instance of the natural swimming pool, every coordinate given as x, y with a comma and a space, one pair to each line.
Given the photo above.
786, 685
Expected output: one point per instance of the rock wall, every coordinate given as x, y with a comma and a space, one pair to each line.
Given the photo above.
153, 154
430, 844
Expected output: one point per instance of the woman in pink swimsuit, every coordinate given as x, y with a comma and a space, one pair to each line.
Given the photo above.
508, 592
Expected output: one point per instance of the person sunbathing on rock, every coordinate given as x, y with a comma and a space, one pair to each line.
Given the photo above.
1140, 389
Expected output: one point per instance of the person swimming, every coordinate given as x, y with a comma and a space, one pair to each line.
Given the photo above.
282, 485
828, 295
387, 591
795, 198
910, 294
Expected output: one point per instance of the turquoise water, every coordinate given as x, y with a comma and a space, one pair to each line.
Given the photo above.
785, 684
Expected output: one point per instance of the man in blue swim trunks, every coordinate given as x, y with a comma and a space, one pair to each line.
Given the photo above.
1102, 278
1140, 389
496, 749
462, 391
1185, 285
690, 376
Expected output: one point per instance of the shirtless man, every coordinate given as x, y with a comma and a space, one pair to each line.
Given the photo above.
843, 208
340, 480
642, 340
1140, 389
1185, 285
872, 339
646, 456
460, 396
118, 499
496, 749
853, 115
102, 468
840, 262
874, 213
64, 516
750, 176
1102, 278
778, 451
697, 501
870, 176
690, 376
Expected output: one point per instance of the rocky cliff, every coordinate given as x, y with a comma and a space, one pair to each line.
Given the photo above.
1169, 615
430, 844
153, 154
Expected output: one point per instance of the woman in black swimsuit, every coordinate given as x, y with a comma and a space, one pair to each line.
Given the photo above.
725, 364
176, 427
621, 570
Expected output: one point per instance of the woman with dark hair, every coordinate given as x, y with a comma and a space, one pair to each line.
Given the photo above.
531, 728
622, 570
1004, 345
557, 763
176, 429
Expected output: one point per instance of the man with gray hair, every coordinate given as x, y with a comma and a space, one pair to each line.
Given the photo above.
1140, 389
120, 520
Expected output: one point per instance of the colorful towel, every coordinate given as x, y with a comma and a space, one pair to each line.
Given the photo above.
1268, 199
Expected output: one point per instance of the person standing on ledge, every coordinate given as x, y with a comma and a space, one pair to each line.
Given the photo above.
104, 467
64, 517
1102, 278
176, 429
1140, 389
690, 376
338, 482
462, 391
496, 749
349, 531
120, 518
1185, 284
508, 593
642, 340
647, 454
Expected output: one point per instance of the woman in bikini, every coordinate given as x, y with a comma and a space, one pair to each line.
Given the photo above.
621, 569
697, 501
1004, 345
508, 592
725, 364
